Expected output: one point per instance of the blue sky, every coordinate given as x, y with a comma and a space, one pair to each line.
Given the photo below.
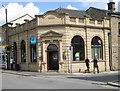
45, 6
17, 8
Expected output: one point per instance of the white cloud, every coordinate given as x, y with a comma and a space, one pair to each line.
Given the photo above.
71, 7
15, 10
119, 6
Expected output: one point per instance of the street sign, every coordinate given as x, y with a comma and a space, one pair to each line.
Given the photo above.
33, 40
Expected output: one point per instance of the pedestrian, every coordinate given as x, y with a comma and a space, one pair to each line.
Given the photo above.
87, 65
95, 61
77, 56
11, 63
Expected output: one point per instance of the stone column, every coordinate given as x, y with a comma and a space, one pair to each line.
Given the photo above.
61, 54
44, 66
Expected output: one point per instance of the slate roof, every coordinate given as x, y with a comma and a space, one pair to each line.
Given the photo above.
96, 14
93, 13
99, 14
72, 13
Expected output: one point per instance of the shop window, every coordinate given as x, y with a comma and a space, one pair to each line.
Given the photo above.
23, 51
97, 48
78, 48
33, 51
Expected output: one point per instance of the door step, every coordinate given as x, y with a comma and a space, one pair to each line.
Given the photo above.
53, 71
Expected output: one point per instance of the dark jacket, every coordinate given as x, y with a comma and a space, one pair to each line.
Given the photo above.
95, 62
87, 62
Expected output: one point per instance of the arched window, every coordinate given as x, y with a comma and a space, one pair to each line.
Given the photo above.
23, 51
0, 40
15, 52
97, 48
33, 52
119, 28
78, 48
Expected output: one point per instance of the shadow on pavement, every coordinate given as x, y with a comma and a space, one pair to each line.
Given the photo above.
107, 78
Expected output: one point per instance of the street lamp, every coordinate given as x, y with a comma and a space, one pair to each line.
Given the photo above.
6, 36
6, 24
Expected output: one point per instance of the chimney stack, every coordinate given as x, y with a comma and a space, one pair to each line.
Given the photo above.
111, 6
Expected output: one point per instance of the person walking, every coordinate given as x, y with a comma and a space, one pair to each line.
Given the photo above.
95, 61
11, 63
87, 65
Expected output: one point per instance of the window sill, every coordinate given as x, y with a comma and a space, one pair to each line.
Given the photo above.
23, 62
81, 61
33, 62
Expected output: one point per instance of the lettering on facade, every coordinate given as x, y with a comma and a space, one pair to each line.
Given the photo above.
51, 17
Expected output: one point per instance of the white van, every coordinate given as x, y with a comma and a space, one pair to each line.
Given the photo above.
3, 61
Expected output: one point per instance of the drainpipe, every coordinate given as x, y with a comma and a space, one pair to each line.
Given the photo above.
110, 60
104, 43
86, 35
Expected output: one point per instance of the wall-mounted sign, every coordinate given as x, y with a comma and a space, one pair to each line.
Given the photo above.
3, 46
33, 40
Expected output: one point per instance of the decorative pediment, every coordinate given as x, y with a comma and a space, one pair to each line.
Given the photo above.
51, 34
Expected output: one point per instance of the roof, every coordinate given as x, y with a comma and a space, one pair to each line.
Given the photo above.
21, 17
72, 13
19, 20
95, 13
98, 14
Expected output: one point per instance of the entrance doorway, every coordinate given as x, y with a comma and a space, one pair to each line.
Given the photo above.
52, 57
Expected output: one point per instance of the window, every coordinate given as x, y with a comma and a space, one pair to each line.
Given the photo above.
81, 20
0, 57
15, 52
92, 21
23, 51
72, 19
78, 48
96, 48
119, 28
99, 22
0, 41
33, 51
119, 31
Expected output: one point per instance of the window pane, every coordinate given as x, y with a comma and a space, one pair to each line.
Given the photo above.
33, 53
78, 48
96, 48
93, 53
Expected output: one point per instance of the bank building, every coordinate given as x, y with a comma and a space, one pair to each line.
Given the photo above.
61, 39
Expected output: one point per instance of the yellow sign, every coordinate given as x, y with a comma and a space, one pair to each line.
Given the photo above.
4, 46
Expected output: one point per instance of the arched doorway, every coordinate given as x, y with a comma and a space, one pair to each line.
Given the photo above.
52, 57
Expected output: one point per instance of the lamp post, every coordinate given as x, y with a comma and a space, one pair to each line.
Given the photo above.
6, 24
6, 37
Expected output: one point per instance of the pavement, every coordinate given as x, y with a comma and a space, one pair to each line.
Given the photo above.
27, 73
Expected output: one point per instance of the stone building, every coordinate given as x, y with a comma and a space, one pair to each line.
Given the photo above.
0, 45
6, 46
61, 39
